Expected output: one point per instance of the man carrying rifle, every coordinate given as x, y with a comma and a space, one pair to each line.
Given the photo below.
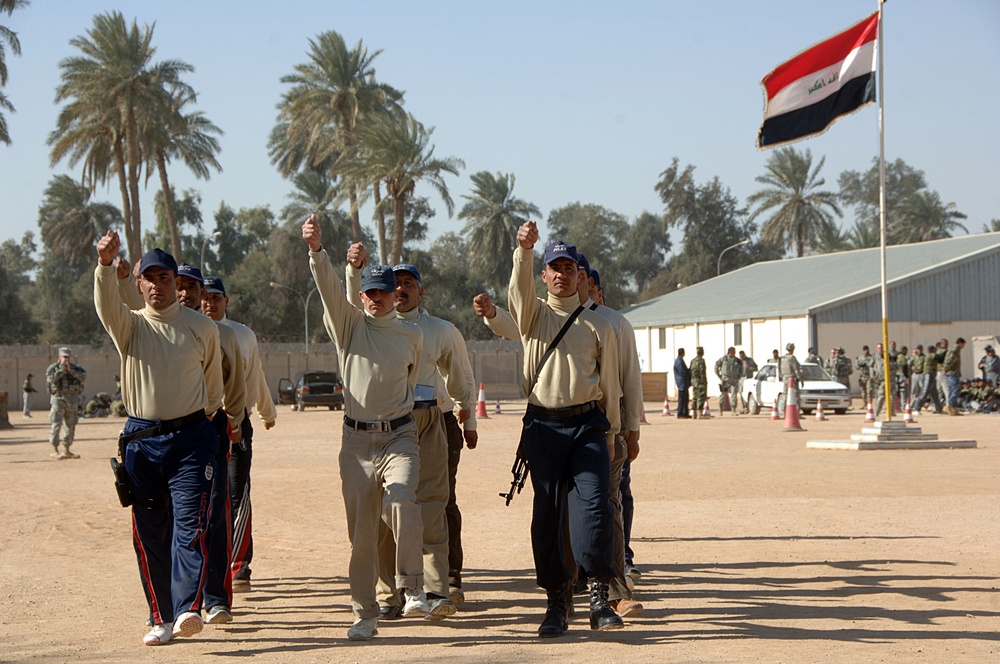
568, 435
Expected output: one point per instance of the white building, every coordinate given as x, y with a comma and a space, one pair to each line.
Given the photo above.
944, 288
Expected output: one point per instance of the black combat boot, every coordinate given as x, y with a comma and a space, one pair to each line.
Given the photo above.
554, 623
602, 616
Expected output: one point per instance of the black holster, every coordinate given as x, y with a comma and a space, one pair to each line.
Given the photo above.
121, 476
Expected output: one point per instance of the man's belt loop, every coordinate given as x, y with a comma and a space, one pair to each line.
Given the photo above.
383, 426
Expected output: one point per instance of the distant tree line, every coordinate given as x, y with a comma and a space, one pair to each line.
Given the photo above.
343, 140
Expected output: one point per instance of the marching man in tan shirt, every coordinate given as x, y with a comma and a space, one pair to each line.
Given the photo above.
171, 375
379, 456
569, 429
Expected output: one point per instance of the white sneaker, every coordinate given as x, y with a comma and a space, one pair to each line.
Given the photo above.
363, 629
416, 603
188, 623
159, 635
219, 615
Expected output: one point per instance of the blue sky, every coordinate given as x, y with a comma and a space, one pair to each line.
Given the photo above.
582, 101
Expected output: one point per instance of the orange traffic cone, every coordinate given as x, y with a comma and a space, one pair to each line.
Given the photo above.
820, 417
496, 411
774, 410
908, 414
666, 407
481, 406
869, 412
792, 409
706, 412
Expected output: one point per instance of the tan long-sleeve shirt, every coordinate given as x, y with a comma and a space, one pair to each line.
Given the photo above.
583, 367
258, 394
379, 357
171, 359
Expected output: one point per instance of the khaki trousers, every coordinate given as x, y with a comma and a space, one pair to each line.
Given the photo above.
618, 588
379, 473
432, 499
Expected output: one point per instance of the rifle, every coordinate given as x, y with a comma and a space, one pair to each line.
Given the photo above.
520, 472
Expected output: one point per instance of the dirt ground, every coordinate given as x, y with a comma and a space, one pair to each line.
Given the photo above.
752, 547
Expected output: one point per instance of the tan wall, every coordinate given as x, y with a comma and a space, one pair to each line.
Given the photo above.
496, 365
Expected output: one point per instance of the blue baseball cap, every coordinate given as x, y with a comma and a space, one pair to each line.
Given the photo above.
408, 267
157, 258
190, 271
560, 249
596, 276
214, 285
378, 277
583, 263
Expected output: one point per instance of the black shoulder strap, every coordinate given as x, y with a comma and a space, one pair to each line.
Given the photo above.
552, 346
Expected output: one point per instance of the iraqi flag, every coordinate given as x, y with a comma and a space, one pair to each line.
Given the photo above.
808, 93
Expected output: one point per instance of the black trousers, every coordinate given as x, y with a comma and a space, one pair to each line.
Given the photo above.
241, 508
683, 398
570, 475
218, 583
453, 515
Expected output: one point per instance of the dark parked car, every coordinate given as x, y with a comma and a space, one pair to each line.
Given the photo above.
312, 388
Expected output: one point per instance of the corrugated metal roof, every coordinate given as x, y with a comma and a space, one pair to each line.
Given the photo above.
794, 286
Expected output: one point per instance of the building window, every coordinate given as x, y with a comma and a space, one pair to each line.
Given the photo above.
663, 338
737, 334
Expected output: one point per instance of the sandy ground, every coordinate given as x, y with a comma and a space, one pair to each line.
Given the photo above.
752, 547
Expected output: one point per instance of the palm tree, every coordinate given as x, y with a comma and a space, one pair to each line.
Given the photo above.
397, 153
801, 209
921, 217
318, 117
9, 37
493, 214
70, 223
864, 235
187, 136
113, 87
312, 195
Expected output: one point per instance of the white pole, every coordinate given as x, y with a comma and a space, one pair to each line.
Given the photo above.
881, 204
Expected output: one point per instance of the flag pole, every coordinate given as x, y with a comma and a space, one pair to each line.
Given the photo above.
888, 378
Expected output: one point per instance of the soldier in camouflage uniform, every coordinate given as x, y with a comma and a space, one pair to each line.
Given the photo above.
65, 382
953, 370
813, 358
789, 368
864, 363
27, 388
878, 376
728, 368
843, 369
749, 371
699, 383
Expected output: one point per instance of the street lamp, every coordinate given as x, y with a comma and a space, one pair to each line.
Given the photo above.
216, 234
738, 244
305, 306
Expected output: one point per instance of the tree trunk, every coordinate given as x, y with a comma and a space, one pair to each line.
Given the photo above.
168, 206
380, 222
399, 205
352, 195
133, 158
4, 420
131, 242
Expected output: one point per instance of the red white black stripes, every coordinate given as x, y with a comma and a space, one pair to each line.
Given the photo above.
806, 94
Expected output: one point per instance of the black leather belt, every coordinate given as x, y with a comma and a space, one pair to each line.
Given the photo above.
378, 425
569, 411
423, 405
163, 427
